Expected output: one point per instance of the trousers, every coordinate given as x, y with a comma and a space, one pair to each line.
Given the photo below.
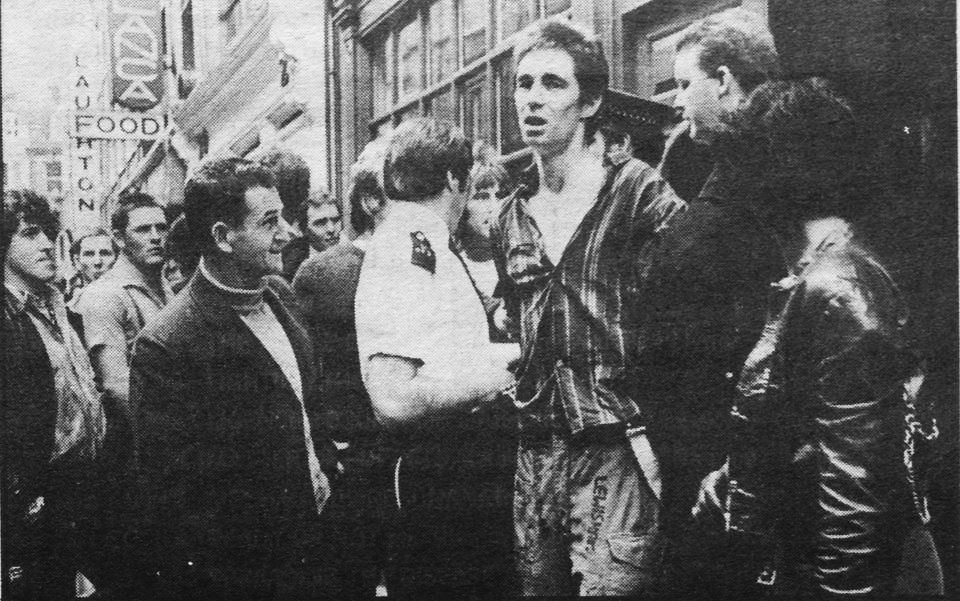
585, 520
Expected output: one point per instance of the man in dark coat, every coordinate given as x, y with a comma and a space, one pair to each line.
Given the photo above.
52, 418
702, 307
233, 476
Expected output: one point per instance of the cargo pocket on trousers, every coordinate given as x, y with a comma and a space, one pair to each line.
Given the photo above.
634, 564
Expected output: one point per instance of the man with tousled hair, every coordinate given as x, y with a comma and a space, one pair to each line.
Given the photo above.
571, 245
53, 423
432, 374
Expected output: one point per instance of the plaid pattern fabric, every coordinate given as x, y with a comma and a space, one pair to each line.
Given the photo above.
575, 317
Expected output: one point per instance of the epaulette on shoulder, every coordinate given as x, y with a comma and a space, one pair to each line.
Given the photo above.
421, 253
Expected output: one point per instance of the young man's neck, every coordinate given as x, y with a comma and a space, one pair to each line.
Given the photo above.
150, 273
228, 273
555, 170
34, 287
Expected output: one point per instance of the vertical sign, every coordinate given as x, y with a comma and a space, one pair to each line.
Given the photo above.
84, 158
136, 68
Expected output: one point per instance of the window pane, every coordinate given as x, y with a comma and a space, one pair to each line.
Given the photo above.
441, 106
382, 76
411, 57
514, 16
552, 7
662, 54
510, 140
443, 58
54, 170
476, 113
475, 17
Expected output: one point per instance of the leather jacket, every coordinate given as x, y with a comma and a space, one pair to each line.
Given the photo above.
817, 457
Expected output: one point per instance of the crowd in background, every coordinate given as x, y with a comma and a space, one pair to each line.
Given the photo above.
575, 380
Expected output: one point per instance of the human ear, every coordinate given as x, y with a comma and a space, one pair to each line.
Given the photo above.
728, 83
589, 108
222, 236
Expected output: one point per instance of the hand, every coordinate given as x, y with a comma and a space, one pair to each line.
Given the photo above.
709, 506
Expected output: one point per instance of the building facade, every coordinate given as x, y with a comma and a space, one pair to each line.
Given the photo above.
247, 76
453, 59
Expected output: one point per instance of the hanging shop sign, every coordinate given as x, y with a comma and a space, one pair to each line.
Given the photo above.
136, 65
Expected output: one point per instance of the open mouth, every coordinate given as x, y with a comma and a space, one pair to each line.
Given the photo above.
535, 121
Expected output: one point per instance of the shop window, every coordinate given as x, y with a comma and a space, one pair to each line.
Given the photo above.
515, 15
410, 54
476, 16
443, 54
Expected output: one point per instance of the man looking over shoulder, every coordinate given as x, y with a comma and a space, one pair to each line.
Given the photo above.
117, 306
570, 246
233, 473
705, 296
431, 371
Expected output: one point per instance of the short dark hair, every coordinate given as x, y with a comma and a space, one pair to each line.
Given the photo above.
215, 192
738, 39
421, 153
589, 62
292, 177
25, 206
127, 203
78, 243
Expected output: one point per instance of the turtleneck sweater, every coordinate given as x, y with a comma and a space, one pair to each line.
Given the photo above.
257, 315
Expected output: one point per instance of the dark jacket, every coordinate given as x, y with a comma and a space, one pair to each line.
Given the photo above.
819, 423
326, 286
700, 313
27, 433
228, 508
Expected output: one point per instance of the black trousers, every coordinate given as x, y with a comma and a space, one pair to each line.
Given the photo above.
453, 536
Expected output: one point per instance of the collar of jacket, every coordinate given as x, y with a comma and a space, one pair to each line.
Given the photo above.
530, 180
17, 299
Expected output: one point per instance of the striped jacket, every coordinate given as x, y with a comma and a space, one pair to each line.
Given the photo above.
575, 317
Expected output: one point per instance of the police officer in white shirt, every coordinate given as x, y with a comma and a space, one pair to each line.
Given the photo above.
432, 374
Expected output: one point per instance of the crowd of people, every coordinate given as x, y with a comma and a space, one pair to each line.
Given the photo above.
569, 382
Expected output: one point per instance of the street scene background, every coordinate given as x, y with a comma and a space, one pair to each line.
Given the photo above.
94, 107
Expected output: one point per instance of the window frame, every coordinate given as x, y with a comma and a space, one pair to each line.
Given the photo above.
399, 105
